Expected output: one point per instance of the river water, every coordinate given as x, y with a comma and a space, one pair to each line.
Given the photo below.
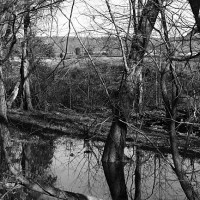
75, 165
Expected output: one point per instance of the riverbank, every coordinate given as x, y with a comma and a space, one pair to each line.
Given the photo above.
96, 127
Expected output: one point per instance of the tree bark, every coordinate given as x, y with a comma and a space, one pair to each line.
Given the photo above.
115, 143
165, 96
3, 107
114, 173
13, 95
195, 6
140, 40
26, 103
131, 85
138, 176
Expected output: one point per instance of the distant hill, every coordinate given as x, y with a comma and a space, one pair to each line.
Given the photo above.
95, 45
110, 45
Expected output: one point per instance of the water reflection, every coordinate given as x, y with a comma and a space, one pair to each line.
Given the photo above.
148, 174
75, 165
158, 181
114, 173
34, 159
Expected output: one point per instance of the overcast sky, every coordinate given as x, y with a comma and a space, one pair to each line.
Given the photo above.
88, 17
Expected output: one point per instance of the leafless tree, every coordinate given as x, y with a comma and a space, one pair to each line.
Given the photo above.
10, 148
25, 65
130, 85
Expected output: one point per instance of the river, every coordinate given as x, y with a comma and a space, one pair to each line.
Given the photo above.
75, 165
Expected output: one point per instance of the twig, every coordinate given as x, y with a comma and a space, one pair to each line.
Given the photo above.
92, 62
66, 46
118, 36
143, 134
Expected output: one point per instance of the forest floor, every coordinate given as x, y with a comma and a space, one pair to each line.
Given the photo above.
96, 127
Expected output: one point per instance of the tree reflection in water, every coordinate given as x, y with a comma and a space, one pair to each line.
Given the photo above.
79, 169
158, 179
114, 173
34, 162
77, 166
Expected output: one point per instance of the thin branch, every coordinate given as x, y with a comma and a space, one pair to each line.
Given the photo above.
91, 60
67, 42
118, 36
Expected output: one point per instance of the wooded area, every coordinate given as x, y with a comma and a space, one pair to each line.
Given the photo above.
138, 81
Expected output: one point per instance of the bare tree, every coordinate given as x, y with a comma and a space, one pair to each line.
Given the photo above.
130, 85
114, 173
11, 149
25, 65
171, 109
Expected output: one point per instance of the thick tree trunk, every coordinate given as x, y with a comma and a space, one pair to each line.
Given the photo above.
25, 65
26, 103
140, 40
115, 143
131, 86
114, 173
135, 86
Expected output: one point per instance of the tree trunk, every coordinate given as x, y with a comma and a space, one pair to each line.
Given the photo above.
114, 173
195, 5
184, 181
140, 40
26, 160
12, 152
3, 107
171, 110
13, 95
165, 97
171, 107
25, 65
138, 176
114, 147
131, 85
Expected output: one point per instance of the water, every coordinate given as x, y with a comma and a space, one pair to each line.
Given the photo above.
75, 165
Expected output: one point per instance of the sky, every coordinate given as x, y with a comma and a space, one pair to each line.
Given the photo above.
89, 18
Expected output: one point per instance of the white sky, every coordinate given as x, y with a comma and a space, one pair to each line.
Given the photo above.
87, 17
